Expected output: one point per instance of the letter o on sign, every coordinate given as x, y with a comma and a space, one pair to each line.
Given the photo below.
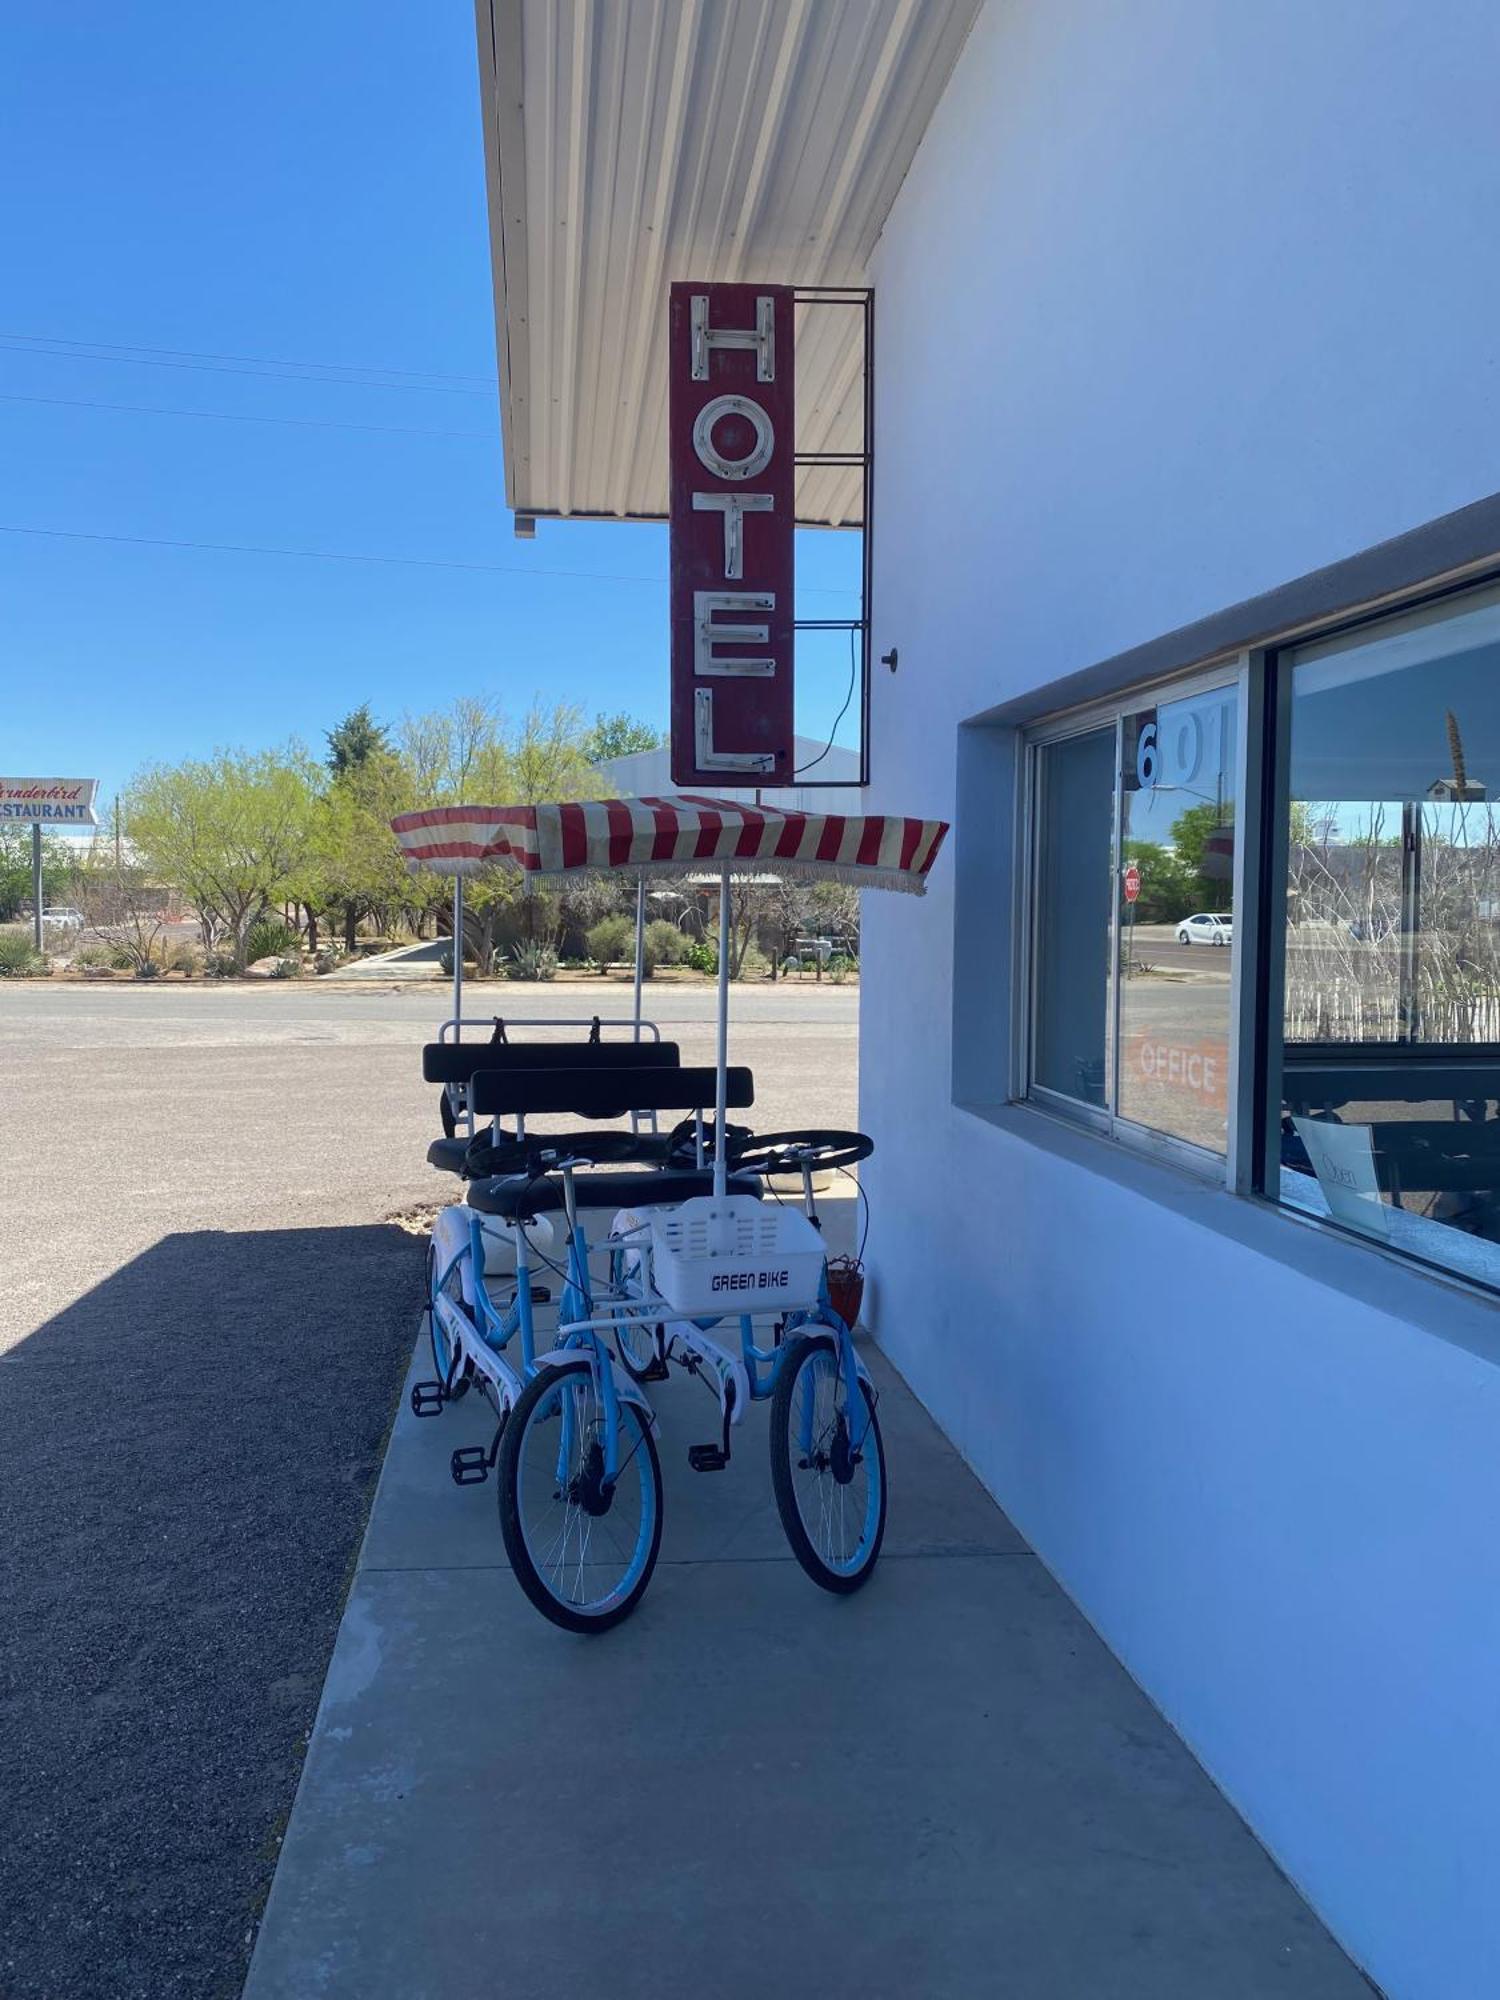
759, 456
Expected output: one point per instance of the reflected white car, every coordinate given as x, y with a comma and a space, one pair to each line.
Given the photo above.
1206, 930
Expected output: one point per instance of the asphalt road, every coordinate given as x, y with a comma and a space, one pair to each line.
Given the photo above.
204, 1323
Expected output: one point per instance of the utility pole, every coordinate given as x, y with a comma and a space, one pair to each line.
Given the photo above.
36, 882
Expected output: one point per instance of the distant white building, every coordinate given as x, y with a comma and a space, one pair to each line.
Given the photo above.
645, 774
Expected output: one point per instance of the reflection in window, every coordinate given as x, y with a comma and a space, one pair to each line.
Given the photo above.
1176, 949
1391, 1019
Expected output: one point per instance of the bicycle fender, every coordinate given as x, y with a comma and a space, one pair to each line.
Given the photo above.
626, 1390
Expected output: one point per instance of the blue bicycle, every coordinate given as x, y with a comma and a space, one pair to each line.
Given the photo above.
827, 1456
582, 1528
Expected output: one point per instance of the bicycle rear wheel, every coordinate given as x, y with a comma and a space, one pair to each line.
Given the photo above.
827, 1466
583, 1549
635, 1339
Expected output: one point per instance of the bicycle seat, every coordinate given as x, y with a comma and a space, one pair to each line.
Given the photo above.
447, 1155
518, 1197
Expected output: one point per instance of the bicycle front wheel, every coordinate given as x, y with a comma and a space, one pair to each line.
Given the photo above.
582, 1547
827, 1466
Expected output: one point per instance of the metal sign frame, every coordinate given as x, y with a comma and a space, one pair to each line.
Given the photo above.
861, 299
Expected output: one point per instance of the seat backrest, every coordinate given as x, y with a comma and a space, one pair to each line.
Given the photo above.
456, 1062
601, 1093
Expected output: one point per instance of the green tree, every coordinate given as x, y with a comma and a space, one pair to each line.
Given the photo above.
354, 863
59, 860
230, 831
619, 734
354, 741
1170, 889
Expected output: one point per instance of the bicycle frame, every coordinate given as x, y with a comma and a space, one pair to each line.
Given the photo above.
751, 1375
480, 1341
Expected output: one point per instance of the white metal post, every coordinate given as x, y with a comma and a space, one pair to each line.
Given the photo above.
640, 947
458, 957
721, 1081
36, 881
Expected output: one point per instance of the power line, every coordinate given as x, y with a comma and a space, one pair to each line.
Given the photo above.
238, 417
351, 556
258, 360
325, 555
255, 374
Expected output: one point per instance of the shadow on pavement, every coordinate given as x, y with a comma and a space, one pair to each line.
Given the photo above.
187, 1456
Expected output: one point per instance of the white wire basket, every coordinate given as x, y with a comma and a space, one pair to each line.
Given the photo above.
735, 1255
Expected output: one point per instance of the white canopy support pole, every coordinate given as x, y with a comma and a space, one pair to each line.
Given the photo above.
640, 947
721, 1081
458, 957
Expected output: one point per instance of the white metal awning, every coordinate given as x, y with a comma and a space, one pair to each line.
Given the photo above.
632, 142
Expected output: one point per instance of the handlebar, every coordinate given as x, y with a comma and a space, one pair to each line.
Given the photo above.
790, 1152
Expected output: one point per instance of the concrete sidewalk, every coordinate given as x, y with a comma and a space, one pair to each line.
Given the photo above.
943, 1785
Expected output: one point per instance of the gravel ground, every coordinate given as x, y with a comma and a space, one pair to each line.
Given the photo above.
203, 1328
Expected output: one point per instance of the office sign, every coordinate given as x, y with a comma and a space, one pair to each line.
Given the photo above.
49, 801
731, 432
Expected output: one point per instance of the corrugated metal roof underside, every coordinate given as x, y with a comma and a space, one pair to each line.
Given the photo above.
633, 142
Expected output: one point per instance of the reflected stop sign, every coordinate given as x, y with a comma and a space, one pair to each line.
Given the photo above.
1132, 882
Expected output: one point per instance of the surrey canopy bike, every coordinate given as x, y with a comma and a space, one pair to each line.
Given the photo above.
651, 1243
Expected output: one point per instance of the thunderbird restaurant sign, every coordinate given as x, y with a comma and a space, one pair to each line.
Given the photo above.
49, 801
730, 423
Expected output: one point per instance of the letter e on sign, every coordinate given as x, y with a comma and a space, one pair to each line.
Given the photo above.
730, 425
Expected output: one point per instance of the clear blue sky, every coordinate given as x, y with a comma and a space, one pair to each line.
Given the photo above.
302, 184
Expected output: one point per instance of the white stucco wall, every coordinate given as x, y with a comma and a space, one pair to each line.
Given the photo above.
1180, 301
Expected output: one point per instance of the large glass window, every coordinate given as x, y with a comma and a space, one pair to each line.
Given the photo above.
1387, 1102
1133, 920
1367, 1024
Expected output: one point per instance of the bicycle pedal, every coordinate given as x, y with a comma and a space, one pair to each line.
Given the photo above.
427, 1398
470, 1465
657, 1372
707, 1457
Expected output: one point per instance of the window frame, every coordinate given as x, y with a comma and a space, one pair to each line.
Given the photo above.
1228, 672
1263, 679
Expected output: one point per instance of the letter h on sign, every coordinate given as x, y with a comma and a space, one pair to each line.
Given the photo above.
731, 423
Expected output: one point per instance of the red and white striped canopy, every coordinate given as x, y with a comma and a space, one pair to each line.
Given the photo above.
874, 851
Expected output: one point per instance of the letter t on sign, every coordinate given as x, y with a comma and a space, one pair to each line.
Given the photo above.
731, 423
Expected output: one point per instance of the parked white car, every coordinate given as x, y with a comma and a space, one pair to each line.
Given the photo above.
64, 916
1206, 930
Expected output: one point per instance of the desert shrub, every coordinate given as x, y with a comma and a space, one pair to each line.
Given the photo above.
531, 961
219, 965
702, 956
19, 958
93, 957
328, 958
269, 937
186, 959
611, 940
664, 944
148, 968
840, 967
288, 968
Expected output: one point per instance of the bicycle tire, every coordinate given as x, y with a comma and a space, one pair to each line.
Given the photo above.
619, 1603
856, 1569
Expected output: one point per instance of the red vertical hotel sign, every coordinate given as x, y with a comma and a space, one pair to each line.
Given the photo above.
731, 426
